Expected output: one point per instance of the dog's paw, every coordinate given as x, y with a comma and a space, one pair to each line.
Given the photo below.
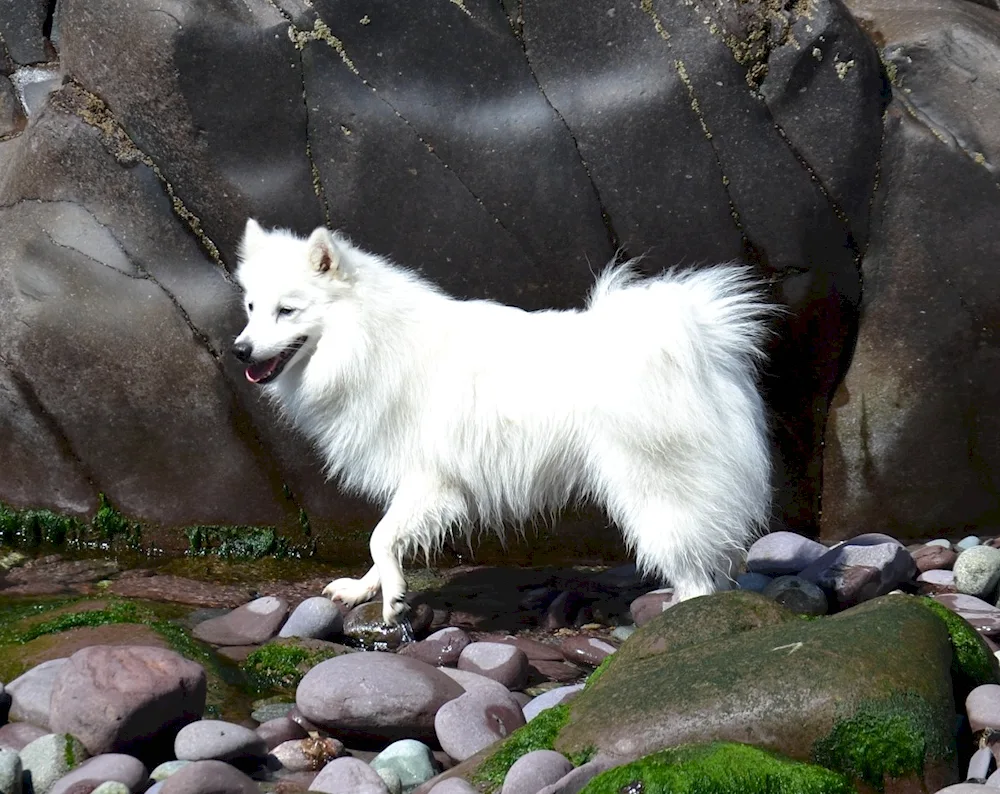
349, 592
394, 610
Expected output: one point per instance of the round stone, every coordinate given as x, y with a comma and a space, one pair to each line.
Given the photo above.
251, 624
783, 553
307, 755
622, 633
51, 757
943, 542
534, 770
209, 777
547, 700
982, 705
31, 693
315, 618
117, 767
506, 664
798, 595
977, 571
968, 542
375, 695
442, 648
166, 769
588, 650
411, 761
10, 771
282, 729
348, 775
648, 606
475, 720
930, 557
754, 582
17, 735
216, 740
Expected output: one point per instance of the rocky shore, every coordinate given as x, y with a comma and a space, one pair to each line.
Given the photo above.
867, 666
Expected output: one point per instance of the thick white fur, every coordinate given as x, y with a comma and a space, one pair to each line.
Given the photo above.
457, 414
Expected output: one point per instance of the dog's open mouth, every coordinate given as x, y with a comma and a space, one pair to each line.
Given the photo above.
261, 372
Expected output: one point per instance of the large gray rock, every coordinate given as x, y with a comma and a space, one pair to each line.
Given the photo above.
31, 693
126, 698
375, 695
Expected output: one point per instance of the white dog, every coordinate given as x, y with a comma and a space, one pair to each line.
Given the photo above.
462, 414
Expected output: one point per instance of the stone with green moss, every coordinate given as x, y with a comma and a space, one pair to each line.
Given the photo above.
280, 665
718, 768
973, 663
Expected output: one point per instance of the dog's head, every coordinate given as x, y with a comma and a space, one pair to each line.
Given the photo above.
288, 285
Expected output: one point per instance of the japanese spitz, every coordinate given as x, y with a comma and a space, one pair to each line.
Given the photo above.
462, 414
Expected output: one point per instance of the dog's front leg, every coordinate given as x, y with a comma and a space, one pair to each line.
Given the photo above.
351, 592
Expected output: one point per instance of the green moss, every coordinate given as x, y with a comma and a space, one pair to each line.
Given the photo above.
111, 525
539, 734
889, 737
718, 768
246, 543
600, 670
280, 665
973, 663
69, 753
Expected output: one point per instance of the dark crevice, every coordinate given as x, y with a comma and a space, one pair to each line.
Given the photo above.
609, 228
48, 420
50, 13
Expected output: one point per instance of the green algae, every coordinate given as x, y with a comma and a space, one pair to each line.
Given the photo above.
600, 670
539, 734
973, 663
890, 737
280, 665
718, 768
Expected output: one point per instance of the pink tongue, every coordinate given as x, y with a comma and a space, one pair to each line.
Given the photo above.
257, 372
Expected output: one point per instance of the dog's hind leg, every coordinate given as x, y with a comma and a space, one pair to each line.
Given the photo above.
351, 592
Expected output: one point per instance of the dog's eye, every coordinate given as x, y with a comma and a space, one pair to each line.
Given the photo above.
284, 311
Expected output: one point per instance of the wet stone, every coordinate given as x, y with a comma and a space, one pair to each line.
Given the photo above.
588, 650
559, 672
754, 582
798, 595
968, 542
364, 626
316, 618
936, 581
442, 648
469, 680
475, 720
852, 573
503, 663
984, 617
264, 711
535, 650
251, 624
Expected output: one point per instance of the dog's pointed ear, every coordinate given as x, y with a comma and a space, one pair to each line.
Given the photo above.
253, 234
324, 254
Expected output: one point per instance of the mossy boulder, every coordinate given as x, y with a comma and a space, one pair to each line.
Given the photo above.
867, 693
279, 665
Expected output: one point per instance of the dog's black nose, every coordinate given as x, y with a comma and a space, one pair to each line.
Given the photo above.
243, 351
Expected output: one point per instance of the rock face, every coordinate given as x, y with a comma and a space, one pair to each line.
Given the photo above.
493, 152
124, 699
913, 439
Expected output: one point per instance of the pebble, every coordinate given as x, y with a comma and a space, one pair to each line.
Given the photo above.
534, 770
209, 777
853, 573
412, 762
10, 772
982, 705
797, 594
943, 542
535, 650
980, 765
549, 699
506, 664
307, 755
216, 740
316, 618
31, 693
365, 627
348, 775
588, 650
984, 617
122, 769
475, 720
968, 542
648, 606
783, 553
977, 571
51, 757
576, 779
17, 735
279, 730
752, 581
251, 624
375, 695
442, 648
560, 672
934, 558
119, 698
166, 769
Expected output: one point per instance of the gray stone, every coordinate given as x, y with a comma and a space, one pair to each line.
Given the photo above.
534, 770
251, 624
851, 574
281, 729
506, 664
470, 681
209, 777
122, 769
166, 769
966, 543
980, 765
125, 698
454, 785
982, 706
31, 693
375, 695
622, 633
549, 699
391, 780
984, 617
10, 772
442, 648
49, 758
411, 761
798, 595
575, 780
783, 553
317, 618
265, 712
348, 775
307, 755
16, 735
475, 720
942, 542
216, 740
754, 582
977, 571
